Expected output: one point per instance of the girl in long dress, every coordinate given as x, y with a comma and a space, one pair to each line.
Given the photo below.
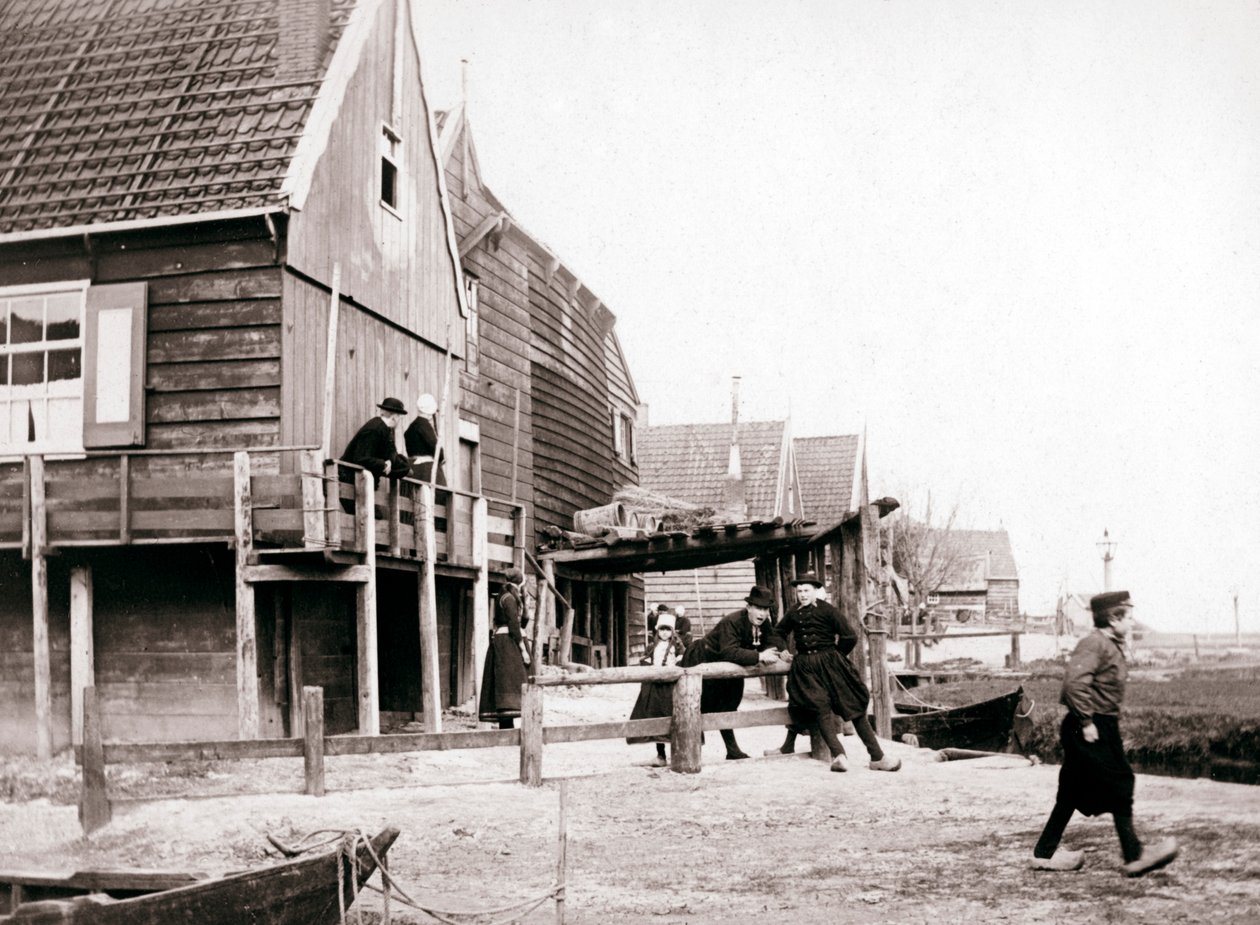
656, 698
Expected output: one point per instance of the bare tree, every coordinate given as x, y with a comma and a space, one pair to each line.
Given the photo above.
922, 551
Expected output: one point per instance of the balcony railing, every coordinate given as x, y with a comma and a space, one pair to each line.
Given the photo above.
295, 500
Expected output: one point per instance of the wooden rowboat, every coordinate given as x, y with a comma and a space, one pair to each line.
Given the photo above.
298, 892
984, 726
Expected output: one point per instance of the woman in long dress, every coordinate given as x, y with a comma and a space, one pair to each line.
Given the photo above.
507, 656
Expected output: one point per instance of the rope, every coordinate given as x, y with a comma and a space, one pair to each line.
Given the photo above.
352, 841
913, 696
1031, 706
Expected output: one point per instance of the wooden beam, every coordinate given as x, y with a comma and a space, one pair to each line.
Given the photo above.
94, 809
82, 660
531, 735
330, 365
518, 537
40, 646
876, 603
314, 533
313, 740
516, 441
490, 223
332, 503
544, 617
430, 677
481, 595
566, 631
685, 736
246, 624
351, 573
124, 499
365, 610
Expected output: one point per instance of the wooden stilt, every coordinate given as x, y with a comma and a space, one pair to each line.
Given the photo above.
531, 735
313, 739
481, 595
1014, 650
685, 735
430, 679
41, 650
82, 661
246, 626
566, 631
94, 809
875, 602
365, 610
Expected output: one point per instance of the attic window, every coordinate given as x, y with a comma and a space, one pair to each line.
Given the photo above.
391, 156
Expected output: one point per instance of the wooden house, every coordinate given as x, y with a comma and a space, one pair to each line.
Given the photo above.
744, 471
546, 379
224, 239
983, 584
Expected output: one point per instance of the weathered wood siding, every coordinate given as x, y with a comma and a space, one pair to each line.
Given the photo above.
722, 589
397, 263
489, 387
1003, 598
373, 359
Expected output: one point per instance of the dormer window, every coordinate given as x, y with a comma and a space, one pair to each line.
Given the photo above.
391, 177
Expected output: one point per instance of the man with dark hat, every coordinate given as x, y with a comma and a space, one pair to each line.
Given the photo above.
822, 682
745, 637
1095, 776
372, 446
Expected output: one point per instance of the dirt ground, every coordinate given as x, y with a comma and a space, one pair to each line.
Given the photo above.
781, 839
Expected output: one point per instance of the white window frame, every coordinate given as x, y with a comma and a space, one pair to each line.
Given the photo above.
67, 447
391, 153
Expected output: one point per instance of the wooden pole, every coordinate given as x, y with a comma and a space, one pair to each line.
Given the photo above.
94, 809
314, 534
481, 595
82, 661
330, 364
369, 706
430, 678
566, 632
124, 499
518, 537
41, 648
313, 739
531, 735
687, 728
440, 426
516, 440
876, 603
392, 527
545, 618
1014, 650
332, 502
246, 624
562, 852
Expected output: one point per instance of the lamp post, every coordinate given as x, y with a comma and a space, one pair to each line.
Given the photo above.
1107, 546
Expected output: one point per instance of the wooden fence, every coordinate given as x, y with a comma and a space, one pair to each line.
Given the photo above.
684, 729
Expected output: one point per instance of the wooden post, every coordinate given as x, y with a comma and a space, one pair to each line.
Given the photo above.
332, 502
82, 662
566, 632
516, 444
39, 613
246, 626
881, 696
562, 852
875, 601
531, 735
1014, 650
124, 499
391, 528
330, 365
481, 595
94, 809
518, 537
313, 739
430, 679
686, 730
544, 619
365, 609
314, 534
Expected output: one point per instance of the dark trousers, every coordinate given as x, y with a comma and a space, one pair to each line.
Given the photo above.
1061, 815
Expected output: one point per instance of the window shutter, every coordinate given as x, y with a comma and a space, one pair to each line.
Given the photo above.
113, 365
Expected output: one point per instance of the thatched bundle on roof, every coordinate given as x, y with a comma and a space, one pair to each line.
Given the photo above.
671, 513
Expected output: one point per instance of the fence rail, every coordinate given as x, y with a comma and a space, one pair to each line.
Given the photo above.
684, 729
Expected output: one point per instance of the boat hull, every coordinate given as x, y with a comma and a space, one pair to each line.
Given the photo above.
984, 726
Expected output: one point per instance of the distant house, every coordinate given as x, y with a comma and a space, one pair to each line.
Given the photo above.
546, 380
224, 238
984, 583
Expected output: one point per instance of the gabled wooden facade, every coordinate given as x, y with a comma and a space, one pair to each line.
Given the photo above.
219, 250
540, 340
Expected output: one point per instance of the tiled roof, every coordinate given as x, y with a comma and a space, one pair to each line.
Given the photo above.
825, 466
115, 110
983, 555
689, 461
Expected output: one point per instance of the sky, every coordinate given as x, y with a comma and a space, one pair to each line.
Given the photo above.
1016, 243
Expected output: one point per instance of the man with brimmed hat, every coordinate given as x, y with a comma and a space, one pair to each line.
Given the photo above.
822, 682
372, 446
1095, 776
745, 637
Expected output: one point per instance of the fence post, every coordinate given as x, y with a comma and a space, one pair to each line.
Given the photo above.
313, 739
881, 695
246, 625
531, 735
1014, 650
94, 810
686, 730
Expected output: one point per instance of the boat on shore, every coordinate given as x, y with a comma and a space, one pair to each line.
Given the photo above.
311, 890
983, 726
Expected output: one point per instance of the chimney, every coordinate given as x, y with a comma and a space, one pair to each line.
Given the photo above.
303, 38
734, 500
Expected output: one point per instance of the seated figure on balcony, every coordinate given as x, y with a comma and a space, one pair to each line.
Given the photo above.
421, 439
372, 447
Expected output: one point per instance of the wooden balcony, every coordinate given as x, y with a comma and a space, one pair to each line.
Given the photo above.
289, 498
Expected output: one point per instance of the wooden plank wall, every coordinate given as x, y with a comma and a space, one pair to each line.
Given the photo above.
488, 395
374, 359
398, 265
722, 589
17, 664
1002, 601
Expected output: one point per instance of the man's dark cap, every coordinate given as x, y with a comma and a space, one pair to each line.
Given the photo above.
760, 597
1108, 599
393, 405
664, 608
